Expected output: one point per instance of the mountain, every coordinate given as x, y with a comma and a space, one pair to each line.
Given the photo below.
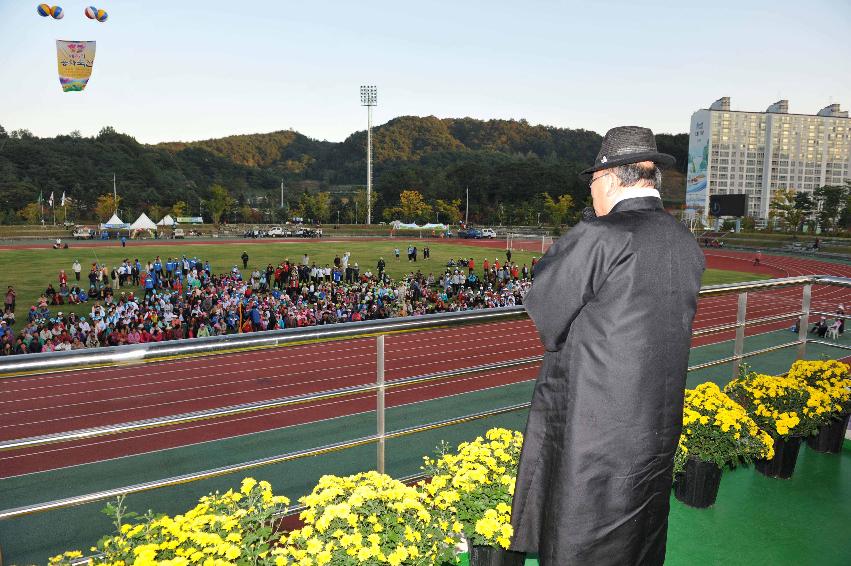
506, 164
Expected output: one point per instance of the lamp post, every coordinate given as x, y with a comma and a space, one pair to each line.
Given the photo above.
368, 98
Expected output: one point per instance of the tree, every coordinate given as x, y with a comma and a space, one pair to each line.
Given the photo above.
804, 202
322, 207
315, 206
248, 214
157, 212
3, 133
360, 204
220, 202
782, 207
106, 206
830, 200
180, 208
449, 211
557, 209
412, 206
31, 213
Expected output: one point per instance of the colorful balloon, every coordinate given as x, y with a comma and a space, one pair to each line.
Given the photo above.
91, 12
102, 16
57, 12
43, 10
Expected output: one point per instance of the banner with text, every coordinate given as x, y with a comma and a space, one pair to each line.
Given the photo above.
75, 59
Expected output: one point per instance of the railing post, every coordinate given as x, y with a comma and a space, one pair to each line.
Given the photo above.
739, 344
379, 405
804, 322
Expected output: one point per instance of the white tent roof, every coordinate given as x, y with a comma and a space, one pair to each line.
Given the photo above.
143, 223
166, 221
114, 222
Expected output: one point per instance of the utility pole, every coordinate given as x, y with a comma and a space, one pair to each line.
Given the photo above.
369, 98
467, 209
282, 193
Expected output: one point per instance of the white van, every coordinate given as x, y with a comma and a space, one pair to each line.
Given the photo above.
488, 233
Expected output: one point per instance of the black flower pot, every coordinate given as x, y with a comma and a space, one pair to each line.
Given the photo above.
490, 556
829, 438
697, 485
785, 457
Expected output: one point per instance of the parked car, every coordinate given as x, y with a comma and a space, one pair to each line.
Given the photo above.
278, 232
470, 234
488, 233
179, 234
83, 233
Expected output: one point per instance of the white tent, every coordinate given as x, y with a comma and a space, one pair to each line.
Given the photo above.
143, 223
399, 225
166, 221
114, 222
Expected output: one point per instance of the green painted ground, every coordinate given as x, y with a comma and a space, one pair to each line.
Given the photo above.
29, 271
756, 521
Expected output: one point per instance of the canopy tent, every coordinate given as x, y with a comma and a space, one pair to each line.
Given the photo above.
143, 223
166, 221
114, 223
399, 225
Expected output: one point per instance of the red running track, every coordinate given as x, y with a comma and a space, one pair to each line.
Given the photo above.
57, 402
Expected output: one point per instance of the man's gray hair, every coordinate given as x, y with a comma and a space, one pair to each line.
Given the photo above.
639, 174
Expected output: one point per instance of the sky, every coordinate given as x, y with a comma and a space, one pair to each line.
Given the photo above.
179, 70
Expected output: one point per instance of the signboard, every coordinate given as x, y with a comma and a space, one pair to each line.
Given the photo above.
728, 205
75, 60
190, 220
697, 182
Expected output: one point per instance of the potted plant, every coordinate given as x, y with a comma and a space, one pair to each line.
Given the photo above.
831, 377
779, 406
369, 519
717, 434
475, 486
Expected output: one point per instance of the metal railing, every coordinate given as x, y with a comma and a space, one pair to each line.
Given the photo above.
378, 329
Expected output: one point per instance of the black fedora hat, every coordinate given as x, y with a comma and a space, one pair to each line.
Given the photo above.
628, 144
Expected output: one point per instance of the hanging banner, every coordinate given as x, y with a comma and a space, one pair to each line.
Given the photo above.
75, 59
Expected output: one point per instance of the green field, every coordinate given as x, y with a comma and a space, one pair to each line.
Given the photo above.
30, 270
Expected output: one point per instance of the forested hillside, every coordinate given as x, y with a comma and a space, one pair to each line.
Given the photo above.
507, 166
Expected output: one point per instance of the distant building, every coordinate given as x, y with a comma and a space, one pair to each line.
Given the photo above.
756, 153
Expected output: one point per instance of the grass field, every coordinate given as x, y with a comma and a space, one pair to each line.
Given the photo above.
29, 271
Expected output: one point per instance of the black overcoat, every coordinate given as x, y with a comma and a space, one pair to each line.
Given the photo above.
613, 301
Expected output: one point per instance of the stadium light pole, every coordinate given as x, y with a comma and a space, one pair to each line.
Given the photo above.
368, 98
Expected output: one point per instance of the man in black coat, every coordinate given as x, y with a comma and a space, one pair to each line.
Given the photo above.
613, 302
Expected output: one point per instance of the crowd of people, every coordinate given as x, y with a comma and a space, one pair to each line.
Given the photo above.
176, 298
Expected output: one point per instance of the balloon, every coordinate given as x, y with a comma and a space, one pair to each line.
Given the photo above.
91, 12
57, 12
102, 15
43, 10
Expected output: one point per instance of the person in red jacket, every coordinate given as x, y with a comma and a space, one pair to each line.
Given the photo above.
471, 265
